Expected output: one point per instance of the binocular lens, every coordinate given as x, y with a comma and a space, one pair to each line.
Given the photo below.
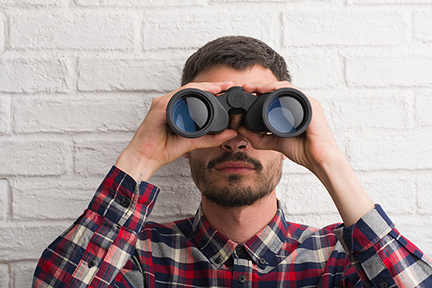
190, 114
285, 114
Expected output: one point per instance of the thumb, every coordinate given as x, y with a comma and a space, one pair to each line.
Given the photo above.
213, 140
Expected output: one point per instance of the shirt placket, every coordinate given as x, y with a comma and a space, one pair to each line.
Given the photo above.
242, 268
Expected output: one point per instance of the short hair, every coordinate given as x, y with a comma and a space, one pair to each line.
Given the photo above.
238, 52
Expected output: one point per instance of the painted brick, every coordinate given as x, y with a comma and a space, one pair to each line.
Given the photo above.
169, 30
2, 33
138, 3
111, 31
78, 114
388, 2
422, 24
67, 197
29, 75
98, 74
396, 193
423, 108
304, 194
27, 240
4, 199
343, 27
32, 157
383, 71
4, 276
399, 151
5, 115
22, 273
315, 71
97, 157
367, 110
29, 3
254, 1
424, 200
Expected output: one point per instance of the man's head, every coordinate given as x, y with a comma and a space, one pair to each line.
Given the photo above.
235, 174
238, 52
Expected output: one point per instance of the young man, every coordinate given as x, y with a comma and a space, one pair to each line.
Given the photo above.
239, 236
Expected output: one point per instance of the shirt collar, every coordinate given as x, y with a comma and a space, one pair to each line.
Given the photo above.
262, 248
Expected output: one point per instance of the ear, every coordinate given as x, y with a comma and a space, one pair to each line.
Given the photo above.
186, 155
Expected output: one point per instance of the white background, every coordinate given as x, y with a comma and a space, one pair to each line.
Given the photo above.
77, 77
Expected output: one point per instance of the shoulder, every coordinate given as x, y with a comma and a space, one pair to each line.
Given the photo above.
310, 236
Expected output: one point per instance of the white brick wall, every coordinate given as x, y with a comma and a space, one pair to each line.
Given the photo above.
24, 74
77, 77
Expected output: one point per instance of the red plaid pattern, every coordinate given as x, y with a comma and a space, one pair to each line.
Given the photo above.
112, 245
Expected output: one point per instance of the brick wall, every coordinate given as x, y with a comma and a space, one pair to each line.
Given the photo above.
77, 77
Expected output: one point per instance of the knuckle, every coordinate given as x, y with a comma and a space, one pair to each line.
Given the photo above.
155, 101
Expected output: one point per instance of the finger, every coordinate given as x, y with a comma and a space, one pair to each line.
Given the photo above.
212, 87
213, 140
266, 87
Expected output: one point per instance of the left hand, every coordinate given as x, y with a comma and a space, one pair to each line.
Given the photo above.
316, 150
312, 149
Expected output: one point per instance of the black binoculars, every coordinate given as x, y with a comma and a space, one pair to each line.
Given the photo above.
285, 112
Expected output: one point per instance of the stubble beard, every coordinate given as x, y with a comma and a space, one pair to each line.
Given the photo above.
235, 193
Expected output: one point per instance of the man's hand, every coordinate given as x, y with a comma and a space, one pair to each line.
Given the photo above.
312, 149
316, 150
154, 145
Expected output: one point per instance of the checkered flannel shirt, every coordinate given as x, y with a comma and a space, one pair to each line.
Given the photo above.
112, 245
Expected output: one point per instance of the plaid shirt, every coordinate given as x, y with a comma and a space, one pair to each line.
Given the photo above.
112, 245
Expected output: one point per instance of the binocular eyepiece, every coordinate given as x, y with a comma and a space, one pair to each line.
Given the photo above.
285, 112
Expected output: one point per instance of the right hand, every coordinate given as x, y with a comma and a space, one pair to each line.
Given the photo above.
154, 145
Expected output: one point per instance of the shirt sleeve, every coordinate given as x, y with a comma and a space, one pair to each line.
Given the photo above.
100, 242
381, 255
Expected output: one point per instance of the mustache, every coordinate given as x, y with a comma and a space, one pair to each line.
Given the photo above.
235, 157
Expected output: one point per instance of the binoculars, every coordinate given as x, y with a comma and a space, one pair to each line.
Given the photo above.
285, 112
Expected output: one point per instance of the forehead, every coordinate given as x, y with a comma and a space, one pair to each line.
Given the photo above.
222, 73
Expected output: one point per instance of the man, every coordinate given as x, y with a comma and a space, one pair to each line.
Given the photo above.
239, 236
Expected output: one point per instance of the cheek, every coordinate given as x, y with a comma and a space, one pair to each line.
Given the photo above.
272, 158
200, 157
196, 163
196, 157
273, 162
198, 171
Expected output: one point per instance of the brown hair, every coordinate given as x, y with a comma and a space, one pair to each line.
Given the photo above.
238, 52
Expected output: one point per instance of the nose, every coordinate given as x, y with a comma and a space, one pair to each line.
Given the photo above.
238, 143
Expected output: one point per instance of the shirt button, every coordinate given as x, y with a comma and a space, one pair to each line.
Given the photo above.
218, 259
262, 261
239, 250
125, 202
383, 284
91, 263
241, 279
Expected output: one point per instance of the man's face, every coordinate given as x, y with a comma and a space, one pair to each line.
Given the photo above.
235, 174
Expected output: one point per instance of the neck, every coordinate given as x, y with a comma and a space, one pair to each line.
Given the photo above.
241, 224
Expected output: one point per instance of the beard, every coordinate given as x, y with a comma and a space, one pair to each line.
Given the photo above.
235, 193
